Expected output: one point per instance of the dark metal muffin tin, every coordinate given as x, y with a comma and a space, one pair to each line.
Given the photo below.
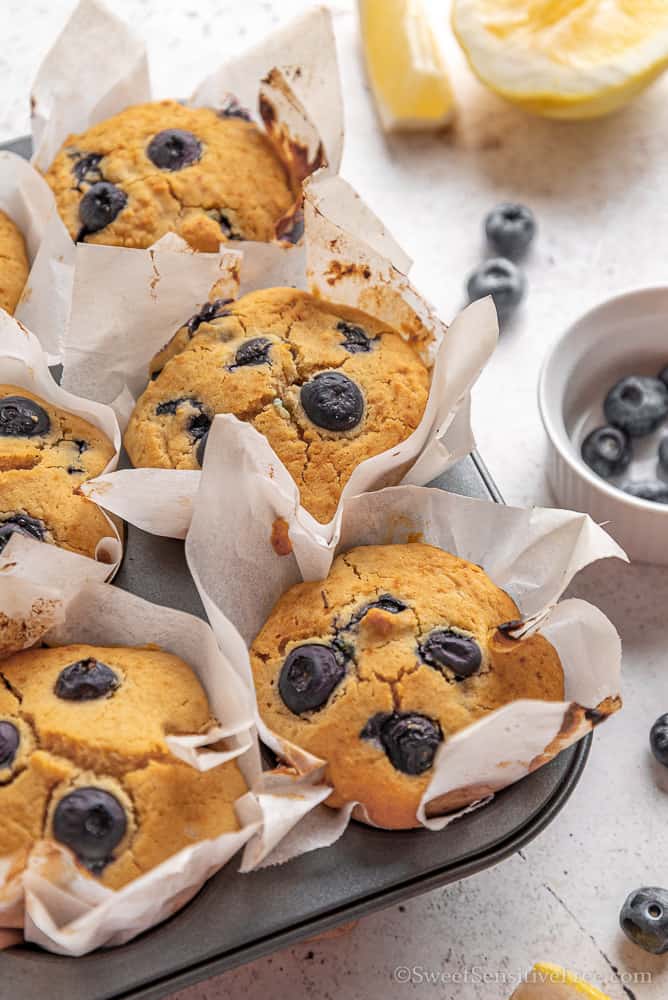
237, 918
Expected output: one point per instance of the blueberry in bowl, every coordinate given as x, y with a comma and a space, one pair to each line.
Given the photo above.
649, 489
637, 404
607, 451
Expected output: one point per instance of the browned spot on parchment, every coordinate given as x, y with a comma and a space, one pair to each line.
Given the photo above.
337, 270
280, 538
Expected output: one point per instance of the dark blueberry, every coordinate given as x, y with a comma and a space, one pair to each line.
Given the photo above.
390, 604
355, 340
507, 628
228, 229
73, 470
208, 312
91, 822
644, 919
637, 404
501, 279
201, 448
252, 352
658, 739
22, 417
333, 401
652, 490
308, 677
87, 169
174, 149
81, 445
24, 525
170, 406
86, 680
198, 426
9, 743
444, 648
290, 229
663, 375
99, 206
408, 739
510, 229
232, 109
607, 451
663, 454
385, 602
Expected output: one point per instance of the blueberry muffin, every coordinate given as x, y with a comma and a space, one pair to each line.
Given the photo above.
327, 385
45, 454
162, 167
14, 264
374, 668
84, 759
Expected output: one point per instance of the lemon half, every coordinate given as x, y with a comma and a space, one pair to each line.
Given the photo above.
564, 58
405, 66
550, 982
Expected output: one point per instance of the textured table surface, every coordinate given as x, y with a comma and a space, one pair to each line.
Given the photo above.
600, 192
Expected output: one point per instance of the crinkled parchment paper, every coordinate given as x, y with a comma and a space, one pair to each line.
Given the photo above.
98, 66
67, 912
532, 554
37, 578
112, 337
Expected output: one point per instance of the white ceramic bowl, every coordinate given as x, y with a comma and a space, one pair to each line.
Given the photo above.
625, 335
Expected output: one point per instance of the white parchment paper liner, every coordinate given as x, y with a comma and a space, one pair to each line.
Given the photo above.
70, 913
36, 579
532, 554
98, 66
112, 337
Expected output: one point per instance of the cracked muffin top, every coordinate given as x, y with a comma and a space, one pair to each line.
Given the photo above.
375, 667
327, 385
84, 761
14, 264
45, 454
162, 167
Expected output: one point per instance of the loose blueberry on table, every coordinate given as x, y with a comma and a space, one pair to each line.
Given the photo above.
644, 919
658, 739
91, 822
308, 677
637, 404
607, 451
510, 228
501, 279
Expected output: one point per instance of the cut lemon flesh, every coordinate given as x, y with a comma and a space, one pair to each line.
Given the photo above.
564, 58
550, 982
406, 70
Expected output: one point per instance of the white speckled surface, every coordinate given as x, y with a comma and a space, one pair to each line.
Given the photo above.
600, 191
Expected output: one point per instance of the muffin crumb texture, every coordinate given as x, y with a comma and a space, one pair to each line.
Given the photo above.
84, 759
327, 385
14, 264
45, 455
163, 167
374, 668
